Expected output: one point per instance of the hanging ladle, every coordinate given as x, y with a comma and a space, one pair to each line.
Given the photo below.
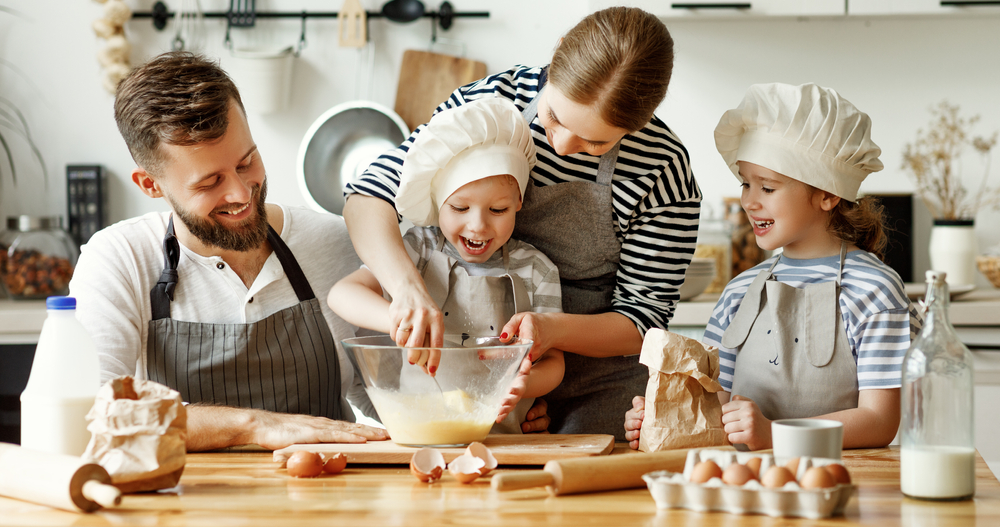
403, 10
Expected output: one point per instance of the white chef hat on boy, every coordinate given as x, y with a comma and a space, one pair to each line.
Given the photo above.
806, 132
479, 139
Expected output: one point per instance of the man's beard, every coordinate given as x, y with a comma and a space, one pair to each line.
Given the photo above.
245, 237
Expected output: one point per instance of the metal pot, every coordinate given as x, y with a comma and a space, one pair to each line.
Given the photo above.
340, 145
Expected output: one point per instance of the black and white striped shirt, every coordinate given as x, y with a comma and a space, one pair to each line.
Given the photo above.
656, 198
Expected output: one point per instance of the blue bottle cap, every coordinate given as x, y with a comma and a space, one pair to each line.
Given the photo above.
60, 302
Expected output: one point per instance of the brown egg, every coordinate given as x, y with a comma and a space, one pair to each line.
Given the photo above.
480, 450
427, 465
466, 467
777, 477
304, 464
705, 471
736, 474
793, 465
336, 464
754, 465
817, 478
839, 473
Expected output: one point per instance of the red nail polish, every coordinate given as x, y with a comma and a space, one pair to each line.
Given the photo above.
503, 336
412, 363
433, 369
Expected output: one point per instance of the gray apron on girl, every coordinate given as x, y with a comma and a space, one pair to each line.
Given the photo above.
794, 357
286, 362
477, 306
574, 223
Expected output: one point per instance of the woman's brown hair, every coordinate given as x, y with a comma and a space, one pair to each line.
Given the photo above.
861, 223
620, 59
177, 98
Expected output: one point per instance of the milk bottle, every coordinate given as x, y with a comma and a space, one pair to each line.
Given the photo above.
65, 376
937, 457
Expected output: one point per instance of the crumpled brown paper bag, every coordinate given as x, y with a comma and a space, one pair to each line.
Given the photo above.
682, 408
139, 430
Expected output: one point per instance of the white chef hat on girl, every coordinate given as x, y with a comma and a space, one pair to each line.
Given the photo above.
806, 132
482, 138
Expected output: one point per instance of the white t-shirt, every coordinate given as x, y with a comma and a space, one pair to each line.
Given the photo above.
119, 266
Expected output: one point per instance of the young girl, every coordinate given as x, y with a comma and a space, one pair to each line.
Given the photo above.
462, 183
612, 202
821, 329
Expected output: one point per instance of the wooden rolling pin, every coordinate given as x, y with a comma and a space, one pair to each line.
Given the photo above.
56, 480
593, 474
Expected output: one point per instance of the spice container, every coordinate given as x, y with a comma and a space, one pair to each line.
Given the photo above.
39, 258
714, 241
746, 252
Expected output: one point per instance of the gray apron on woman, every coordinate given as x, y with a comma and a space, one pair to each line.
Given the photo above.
477, 306
573, 224
794, 357
286, 362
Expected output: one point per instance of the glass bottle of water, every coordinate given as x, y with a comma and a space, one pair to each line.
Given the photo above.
938, 435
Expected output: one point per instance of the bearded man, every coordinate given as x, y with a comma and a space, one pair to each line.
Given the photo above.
217, 298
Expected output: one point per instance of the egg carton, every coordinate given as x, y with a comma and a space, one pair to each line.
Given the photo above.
672, 490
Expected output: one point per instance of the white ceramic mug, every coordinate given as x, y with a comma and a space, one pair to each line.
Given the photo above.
807, 437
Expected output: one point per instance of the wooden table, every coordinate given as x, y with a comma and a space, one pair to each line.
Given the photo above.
246, 488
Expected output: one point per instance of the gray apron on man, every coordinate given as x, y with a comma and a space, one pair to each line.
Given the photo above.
477, 306
573, 224
286, 362
794, 357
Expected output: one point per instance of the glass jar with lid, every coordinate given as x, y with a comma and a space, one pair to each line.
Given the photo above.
715, 242
39, 257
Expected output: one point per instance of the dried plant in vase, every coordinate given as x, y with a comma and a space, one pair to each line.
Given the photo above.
935, 162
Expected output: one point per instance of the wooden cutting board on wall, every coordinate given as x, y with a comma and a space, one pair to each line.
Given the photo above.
426, 79
509, 449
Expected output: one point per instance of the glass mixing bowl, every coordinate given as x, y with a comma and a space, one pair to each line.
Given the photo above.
455, 407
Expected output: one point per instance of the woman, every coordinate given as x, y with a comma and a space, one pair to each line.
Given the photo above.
611, 201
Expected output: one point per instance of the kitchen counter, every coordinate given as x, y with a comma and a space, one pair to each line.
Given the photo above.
247, 488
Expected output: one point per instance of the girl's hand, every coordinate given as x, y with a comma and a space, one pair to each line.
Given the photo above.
633, 421
517, 389
745, 424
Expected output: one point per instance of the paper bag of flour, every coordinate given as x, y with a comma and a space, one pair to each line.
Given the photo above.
682, 408
139, 430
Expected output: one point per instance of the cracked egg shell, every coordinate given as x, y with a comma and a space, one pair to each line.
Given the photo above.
479, 450
466, 468
305, 464
427, 465
335, 464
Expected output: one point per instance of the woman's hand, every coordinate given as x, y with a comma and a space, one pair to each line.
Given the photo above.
535, 327
633, 421
537, 420
744, 423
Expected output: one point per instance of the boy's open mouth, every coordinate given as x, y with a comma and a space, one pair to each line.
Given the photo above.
475, 246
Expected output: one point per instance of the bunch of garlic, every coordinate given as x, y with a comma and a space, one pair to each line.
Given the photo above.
114, 54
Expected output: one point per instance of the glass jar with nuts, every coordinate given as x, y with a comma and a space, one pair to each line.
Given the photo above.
38, 258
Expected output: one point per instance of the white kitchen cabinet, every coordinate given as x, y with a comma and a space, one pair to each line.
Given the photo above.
922, 7
728, 8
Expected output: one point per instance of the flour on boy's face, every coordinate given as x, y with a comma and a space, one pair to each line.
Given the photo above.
478, 218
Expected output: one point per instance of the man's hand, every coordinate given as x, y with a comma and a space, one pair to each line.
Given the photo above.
633, 421
744, 423
537, 420
214, 427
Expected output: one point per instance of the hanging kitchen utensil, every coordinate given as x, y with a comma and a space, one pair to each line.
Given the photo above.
352, 23
242, 13
426, 79
403, 10
190, 25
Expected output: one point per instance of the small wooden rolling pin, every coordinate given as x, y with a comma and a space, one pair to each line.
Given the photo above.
593, 474
56, 480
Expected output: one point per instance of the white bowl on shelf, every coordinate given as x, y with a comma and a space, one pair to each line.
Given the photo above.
699, 275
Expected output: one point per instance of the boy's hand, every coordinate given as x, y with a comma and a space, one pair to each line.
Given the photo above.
537, 420
744, 423
517, 389
633, 421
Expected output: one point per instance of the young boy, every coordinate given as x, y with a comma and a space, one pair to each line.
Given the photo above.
462, 183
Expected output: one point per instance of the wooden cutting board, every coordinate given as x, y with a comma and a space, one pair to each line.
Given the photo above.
426, 79
509, 449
